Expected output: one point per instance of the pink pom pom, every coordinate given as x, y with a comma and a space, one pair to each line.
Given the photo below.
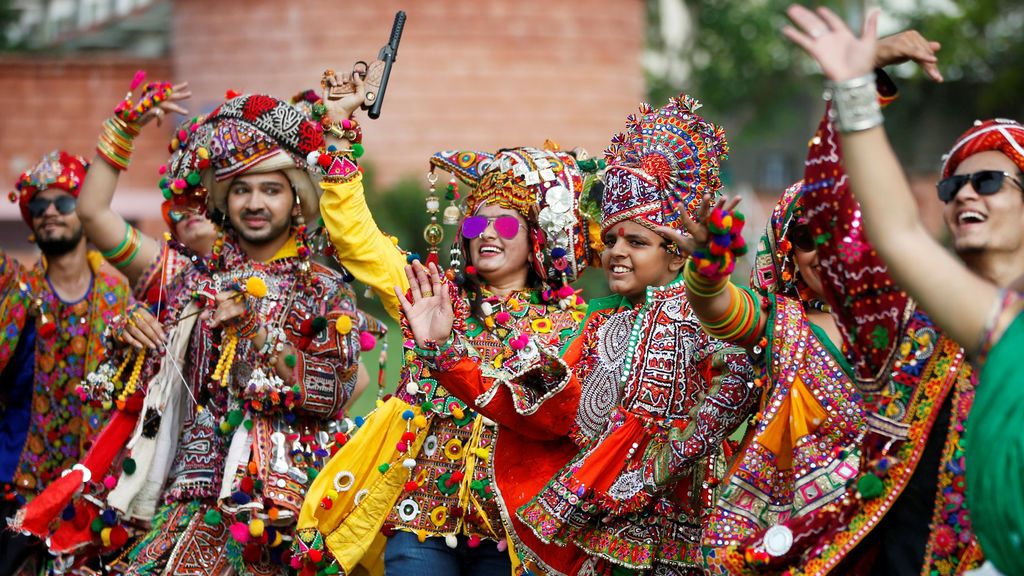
502, 545
296, 562
367, 341
110, 482
402, 447
163, 170
180, 184
565, 291
502, 317
137, 79
519, 342
240, 532
474, 541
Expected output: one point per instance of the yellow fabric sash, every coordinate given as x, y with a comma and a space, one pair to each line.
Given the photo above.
799, 415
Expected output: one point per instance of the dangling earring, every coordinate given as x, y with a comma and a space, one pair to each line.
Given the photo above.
452, 213
433, 233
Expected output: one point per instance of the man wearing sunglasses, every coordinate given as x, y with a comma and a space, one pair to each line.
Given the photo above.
52, 317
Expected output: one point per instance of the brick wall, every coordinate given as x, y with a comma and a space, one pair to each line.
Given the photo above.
469, 74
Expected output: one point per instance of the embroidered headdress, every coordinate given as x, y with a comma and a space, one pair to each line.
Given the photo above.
257, 134
58, 169
774, 269
666, 158
181, 178
546, 187
1000, 134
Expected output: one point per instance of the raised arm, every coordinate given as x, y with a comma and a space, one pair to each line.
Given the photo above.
370, 255
962, 301
122, 244
728, 312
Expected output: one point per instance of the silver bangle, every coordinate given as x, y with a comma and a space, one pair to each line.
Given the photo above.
855, 104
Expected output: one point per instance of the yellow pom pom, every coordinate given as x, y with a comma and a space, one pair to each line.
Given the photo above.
332, 494
203, 153
421, 535
105, 536
343, 325
256, 286
379, 403
420, 421
457, 412
256, 528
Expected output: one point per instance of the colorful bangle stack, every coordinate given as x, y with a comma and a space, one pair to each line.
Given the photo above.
740, 322
248, 324
718, 258
125, 253
347, 129
700, 285
116, 144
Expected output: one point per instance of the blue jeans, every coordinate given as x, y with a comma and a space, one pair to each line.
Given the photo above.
405, 555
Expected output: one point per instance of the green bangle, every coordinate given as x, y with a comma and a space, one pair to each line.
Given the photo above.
108, 254
435, 352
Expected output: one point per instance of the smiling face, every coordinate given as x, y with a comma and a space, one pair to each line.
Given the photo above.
498, 259
56, 233
261, 207
994, 223
634, 258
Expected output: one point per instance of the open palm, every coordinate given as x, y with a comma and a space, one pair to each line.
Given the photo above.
828, 39
429, 312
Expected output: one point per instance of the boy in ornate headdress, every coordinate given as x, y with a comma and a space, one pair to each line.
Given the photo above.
227, 426
646, 396
51, 320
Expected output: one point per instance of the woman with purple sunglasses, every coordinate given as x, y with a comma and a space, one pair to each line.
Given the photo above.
420, 470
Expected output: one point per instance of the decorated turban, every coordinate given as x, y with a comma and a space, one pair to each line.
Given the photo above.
546, 187
259, 134
774, 269
665, 161
999, 134
181, 178
57, 169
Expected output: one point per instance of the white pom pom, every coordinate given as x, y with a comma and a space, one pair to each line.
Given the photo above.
451, 541
412, 388
409, 463
487, 309
313, 157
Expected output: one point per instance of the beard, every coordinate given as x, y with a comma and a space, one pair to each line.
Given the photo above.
59, 245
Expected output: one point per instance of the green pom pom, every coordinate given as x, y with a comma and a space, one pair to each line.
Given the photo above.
869, 486
167, 193
192, 178
97, 525
212, 517
235, 418
383, 468
258, 485
128, 466
289, 360
357, 150
248, 424
312, 473
332, 569
319, 323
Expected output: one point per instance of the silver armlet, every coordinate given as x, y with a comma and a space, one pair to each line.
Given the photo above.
855, 104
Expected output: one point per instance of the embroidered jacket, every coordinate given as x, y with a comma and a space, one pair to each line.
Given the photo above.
647, 399
802, 452
68, 344
227, 445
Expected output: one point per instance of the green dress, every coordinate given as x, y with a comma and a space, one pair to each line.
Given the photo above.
995, 453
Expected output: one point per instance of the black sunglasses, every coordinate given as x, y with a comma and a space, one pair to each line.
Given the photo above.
800, 236
38, 206
984, 182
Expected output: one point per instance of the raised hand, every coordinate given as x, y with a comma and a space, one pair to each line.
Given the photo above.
827, 39
430, 313
906, 46
348, 103
699, 236
179, 92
